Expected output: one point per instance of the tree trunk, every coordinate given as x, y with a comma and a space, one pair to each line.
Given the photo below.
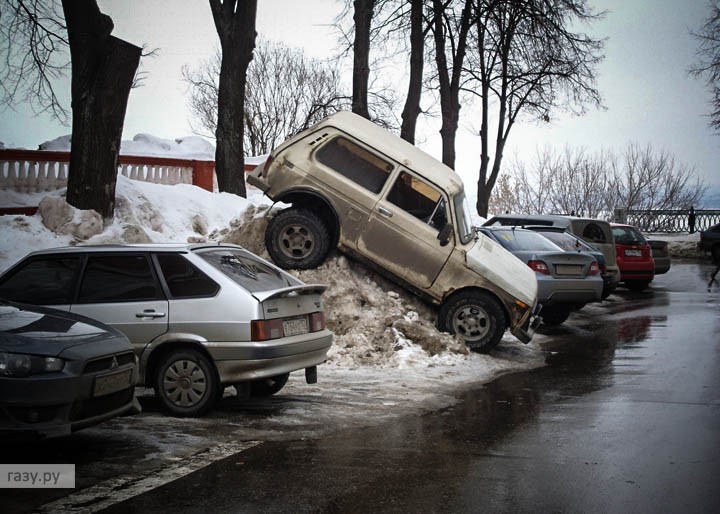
235, 24
103, 68
411, 110
361, 56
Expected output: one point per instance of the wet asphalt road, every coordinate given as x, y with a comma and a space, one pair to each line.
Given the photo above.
626, 418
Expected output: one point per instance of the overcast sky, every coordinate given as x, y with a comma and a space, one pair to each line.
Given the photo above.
644, 82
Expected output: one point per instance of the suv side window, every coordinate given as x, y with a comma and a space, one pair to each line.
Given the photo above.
420, 199
43, 281
183, 279
118, 278
355, 162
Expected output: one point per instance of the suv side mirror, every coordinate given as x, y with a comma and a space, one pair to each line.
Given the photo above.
445, 234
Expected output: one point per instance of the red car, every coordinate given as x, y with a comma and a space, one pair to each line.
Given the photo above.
634, 257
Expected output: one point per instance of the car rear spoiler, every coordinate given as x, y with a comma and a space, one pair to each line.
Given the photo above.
290, 291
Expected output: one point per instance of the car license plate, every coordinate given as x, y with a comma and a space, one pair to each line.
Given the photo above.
633, 253
295, 327
568, 269
111, 383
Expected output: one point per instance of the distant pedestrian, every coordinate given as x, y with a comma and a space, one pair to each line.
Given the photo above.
691, 219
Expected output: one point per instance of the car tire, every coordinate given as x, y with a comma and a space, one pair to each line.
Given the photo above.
715, 254
637, 285
476, 317
297, 239
553, 315
268, 386
186, 383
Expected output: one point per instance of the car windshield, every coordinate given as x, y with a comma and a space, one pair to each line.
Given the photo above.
249, 271
568, 242
464, 221
628, 236
523, 240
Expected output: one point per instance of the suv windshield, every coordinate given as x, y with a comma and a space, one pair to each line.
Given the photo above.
248, 270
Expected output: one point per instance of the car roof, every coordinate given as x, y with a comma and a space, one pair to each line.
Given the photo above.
129, 248
395, 147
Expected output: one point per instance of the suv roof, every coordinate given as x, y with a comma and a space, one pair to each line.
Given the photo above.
394, 146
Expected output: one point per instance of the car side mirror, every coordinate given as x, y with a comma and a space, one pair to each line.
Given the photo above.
445, 234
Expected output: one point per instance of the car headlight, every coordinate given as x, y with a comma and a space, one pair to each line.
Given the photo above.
23, 365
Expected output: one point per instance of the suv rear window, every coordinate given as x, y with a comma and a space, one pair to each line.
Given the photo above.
249, 271
355, 162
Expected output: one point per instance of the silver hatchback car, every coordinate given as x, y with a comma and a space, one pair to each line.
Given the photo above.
200, 317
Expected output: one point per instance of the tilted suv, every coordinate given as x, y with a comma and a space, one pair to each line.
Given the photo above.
357, 187
199, 317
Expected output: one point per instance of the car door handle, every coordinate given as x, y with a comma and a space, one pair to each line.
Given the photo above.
385, 212
150, 314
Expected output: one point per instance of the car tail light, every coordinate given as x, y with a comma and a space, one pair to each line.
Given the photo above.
317, 321
594, 268
539, 267
265, 329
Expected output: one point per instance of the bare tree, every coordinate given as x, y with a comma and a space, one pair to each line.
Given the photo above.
286, 92
450, 28
708, 64
528, 59
34, 53
235, 25
363, 14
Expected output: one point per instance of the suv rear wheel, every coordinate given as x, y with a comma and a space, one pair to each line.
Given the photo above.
186, 383
297, 239
476, 317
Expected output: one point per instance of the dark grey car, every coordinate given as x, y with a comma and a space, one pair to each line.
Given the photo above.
60, 372
200, 317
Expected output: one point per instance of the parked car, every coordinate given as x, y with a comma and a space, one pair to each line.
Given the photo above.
566, 280
200, 317
572, 243
594, 232
634, 257
60, 372
660, 255
357, 187
710, 242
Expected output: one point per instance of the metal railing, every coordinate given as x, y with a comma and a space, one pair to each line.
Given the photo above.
671, 221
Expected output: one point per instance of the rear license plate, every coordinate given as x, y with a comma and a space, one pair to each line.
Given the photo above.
633, 253
112, 383
568, 269
295, 327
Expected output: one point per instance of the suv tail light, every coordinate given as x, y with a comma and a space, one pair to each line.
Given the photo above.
594, 268
539, 267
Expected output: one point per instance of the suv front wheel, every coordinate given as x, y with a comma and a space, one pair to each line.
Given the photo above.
297, 239
476, 317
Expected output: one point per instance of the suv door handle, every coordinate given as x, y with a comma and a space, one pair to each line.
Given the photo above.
150, 314
385, 212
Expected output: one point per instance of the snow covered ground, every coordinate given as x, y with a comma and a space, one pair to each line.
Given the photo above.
384, 336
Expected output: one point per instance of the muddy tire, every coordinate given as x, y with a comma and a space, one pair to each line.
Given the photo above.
476, 317
268, 386
553, 315
186, 383
297, 239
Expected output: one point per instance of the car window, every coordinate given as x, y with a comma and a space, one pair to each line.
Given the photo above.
593, 232
523, 240
627, 236
118, 278
42, 281
355, 162
420, 199
183, 279
249, 271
